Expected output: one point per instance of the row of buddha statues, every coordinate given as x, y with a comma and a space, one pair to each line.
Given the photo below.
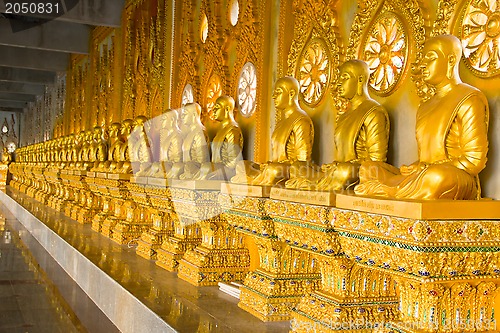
451, 133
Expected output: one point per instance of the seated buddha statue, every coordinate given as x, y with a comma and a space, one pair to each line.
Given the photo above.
75, 150
124, 166
291, 140
195, 149
139, 148
451, 132
226, 146
83, 157
98, 148
6, 156
170, 150
115, 143
361, 134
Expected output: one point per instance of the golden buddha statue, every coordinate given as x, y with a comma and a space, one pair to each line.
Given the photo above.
226, 145
170, 151
451, 132
99, 148
83, 157
195, 149
6, 156
139, 149
77, 147
115, 144
361, 134
124, 166
291, 140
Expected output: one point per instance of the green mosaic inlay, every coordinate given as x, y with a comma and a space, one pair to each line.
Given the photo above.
303, 225
420, 248
240, 213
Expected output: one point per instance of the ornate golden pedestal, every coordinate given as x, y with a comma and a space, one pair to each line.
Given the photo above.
284, 275
162, 219
191, 206
221, 256
52, 176
77, 193
447, 271
97, 185
4, 175
138, 215
119, 195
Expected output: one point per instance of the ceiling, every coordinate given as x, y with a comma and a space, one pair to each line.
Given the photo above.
34, 47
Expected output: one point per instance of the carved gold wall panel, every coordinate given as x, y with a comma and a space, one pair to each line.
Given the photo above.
480, 34
315, 52
388, 36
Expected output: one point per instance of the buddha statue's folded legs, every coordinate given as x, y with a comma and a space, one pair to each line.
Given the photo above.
423, 182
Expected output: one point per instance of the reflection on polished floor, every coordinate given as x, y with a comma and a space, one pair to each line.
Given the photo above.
28, 302
184, 307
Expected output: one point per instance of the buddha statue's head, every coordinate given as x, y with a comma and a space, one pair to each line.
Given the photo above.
169, 120
223, 108
441, 57
97, 133
353, 79
190, 115
286, 93
89, 136
114, 130
139, 122
126, 128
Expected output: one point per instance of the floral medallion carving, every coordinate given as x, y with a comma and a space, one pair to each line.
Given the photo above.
247, 89
314, 72
385, 50
480, 35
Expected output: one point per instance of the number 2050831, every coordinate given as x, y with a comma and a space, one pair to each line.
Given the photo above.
32, 8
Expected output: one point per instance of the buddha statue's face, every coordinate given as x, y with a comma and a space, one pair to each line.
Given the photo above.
169, 120
285, 92
222, 107
434, 63
126, 127
188, 115
348, 82
113, 130
281, 96
97, 133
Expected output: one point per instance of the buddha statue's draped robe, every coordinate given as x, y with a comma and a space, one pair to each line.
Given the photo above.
360, 135
451, 132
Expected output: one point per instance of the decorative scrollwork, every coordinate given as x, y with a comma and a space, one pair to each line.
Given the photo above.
214, 90
480, 34
313, 72
247, 89
385, 51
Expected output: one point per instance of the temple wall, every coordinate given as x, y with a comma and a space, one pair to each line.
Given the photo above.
162, 57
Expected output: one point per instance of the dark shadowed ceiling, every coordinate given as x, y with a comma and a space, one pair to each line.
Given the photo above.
35, 46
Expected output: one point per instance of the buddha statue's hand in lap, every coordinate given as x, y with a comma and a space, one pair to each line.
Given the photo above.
291, 140
451, 132
361, 133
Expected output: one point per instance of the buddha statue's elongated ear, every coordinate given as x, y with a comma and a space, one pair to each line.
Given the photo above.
361, 79
291, 95
452, 60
